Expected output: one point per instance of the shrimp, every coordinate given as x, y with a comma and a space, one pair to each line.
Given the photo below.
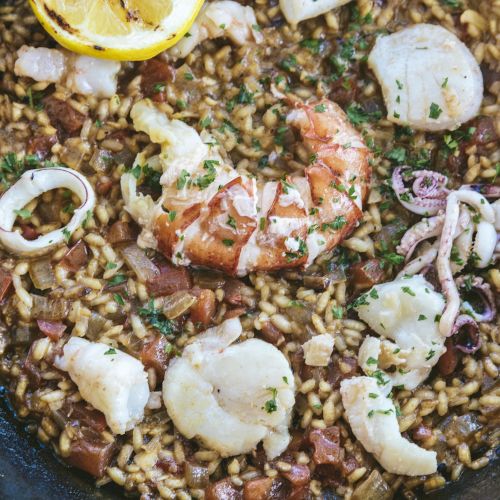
405, 311
296, 11
110, 380
372, 417
80, 74
211, 215
220, 19
430, 80
231, 396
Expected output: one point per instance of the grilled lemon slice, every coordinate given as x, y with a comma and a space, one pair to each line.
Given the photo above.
129, 30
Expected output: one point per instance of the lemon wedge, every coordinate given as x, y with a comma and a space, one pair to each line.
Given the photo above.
130, 30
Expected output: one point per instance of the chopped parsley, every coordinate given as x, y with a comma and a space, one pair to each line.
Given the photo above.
111, 265
228, 242
285, 379
396, 155
320, 108
188, 76
110, 351
205, 122
312, 44
338, 223
373, 294
118, 299
380, 412
183, 178
372, 395
371, 361
205, 180
231, 222
67, 234
408, 290
244, 96
271, 405
399, 84
156, 319
23, 213
422, 317
357, 115
430, 355
299, 253
159, 87
435, 111
288, 63
337, 312
118, 279
171, 215
445, 83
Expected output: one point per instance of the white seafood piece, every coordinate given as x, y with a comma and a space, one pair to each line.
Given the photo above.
220, 19
110, 380
318, 350
372, 417
405, 311
91, 76
40, 64
231, 396
429, 78
81, 74
30, 185
296, 11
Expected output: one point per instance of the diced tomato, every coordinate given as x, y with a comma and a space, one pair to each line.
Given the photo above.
40, 145
5, 282
326, 443
257, 489
271, 334
223, 490
91, 454
171, 279
86, 416
121, 232
63, 116
204, 309
29, 232
298, 475
52, 329
156, 74
367, 273
153, 355
76, 257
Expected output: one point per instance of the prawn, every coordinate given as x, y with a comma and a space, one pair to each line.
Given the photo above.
210, 215
80, 74
217, 20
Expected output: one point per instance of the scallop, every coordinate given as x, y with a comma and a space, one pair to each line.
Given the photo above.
429, 78
231, 396
406, 311
296, 11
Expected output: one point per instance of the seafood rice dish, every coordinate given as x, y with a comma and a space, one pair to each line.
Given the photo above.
249, 250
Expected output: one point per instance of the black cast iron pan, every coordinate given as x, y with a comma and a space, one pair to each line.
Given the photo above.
29, 471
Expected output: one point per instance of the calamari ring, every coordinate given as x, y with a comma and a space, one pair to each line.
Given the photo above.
30, 185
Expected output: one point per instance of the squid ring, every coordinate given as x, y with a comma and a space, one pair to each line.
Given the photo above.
31, 184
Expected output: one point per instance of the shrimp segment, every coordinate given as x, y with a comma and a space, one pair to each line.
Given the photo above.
210, 215
81, 74
372, 417
231, 396
223, 18
110, 380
